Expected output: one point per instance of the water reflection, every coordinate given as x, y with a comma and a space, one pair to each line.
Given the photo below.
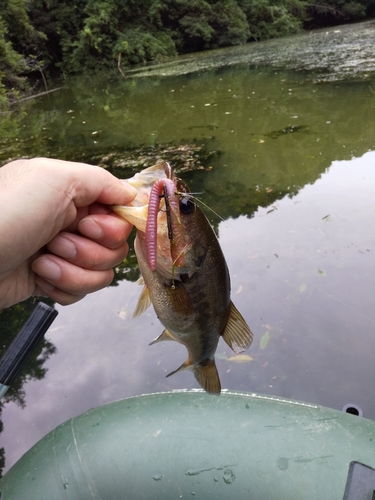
307, 275
302, 272
11, 321
243, 113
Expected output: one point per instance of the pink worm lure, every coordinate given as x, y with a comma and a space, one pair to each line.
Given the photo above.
166, 188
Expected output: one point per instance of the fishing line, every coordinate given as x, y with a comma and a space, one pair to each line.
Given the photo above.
285, 265
191, 195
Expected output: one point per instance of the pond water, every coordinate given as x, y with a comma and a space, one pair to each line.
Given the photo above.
293, 180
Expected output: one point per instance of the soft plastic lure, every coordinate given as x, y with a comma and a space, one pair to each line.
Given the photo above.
164, 188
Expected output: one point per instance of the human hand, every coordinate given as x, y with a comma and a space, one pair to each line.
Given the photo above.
58, 235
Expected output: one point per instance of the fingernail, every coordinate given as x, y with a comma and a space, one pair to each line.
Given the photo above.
91, 229
47, 268
64, 247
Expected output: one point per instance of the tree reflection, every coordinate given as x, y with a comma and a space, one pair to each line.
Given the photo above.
11, 321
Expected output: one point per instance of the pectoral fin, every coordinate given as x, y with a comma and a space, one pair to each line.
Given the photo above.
179, 300
165, 335
143, 303
236, 333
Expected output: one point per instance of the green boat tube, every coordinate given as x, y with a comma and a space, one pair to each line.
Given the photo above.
188, 444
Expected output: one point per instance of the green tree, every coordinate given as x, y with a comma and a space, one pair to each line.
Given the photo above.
61, 23
90, 35
270, 18
19, 43
198, 24
331, 12
229, 23
186, 21
10, 66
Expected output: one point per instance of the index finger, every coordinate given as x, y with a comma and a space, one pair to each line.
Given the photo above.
86, 184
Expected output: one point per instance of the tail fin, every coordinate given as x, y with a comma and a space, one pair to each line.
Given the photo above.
207, 376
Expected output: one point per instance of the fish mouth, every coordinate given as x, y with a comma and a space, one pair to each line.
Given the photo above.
144, 180
155, 212
137, 211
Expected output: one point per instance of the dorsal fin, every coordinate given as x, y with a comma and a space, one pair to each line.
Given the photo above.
143, 303
236, 333
165, 335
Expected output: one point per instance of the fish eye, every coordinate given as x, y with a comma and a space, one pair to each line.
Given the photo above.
187, 206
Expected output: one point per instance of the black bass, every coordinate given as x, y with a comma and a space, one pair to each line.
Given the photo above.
184, 271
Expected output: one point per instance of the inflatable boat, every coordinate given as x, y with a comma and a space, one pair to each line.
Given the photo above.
188, 444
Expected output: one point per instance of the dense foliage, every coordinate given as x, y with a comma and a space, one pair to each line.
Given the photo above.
39, 37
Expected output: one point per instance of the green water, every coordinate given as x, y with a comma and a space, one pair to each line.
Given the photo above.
293, 180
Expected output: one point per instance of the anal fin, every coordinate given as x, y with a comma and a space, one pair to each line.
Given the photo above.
184, 366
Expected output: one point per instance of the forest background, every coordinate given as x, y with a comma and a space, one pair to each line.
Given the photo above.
42, 39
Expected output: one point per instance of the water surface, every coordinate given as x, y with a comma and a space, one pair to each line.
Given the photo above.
293, 181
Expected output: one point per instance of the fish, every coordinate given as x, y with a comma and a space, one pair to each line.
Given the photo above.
184, 272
